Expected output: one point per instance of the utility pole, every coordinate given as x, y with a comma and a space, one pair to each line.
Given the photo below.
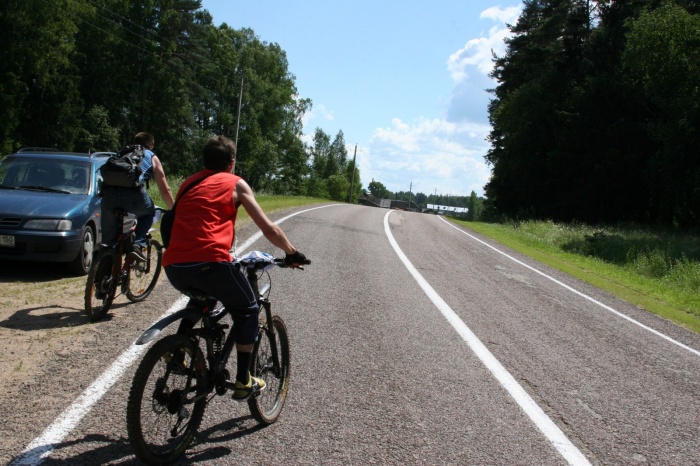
238, 113
352, 178
410, 195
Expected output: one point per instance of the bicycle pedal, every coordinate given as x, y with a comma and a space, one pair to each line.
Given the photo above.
241, 400
257, 389
138, 265
254, 391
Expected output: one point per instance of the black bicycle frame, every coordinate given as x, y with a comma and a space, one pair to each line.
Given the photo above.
211, 329
121, 237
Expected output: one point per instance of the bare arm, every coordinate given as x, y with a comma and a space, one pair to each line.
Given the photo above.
243, 195
163, 186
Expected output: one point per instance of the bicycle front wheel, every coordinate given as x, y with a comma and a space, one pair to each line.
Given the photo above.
167, 400
101, 285
143, 276
267, 405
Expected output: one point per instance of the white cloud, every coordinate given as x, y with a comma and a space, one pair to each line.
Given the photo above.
399, 136
429, 155
506, 16
316, 112
479, 52
443, 155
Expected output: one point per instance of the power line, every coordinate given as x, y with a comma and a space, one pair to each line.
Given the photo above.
154, 54
128, 21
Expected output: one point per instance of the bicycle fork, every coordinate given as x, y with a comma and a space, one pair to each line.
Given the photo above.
269, 326
270, 329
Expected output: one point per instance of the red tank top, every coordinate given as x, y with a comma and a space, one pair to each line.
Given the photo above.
205, 219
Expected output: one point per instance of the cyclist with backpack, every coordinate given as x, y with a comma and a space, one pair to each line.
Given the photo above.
131, 195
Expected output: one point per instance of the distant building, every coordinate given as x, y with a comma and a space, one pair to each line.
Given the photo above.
368, 199
445, 208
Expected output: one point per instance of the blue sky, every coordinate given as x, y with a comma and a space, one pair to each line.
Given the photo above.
404, 80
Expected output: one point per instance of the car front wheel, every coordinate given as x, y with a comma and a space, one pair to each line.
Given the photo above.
82, 262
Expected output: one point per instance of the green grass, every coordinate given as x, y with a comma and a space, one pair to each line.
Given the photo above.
659, 272
269, 203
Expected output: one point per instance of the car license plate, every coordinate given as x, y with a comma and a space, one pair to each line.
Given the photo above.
7, 241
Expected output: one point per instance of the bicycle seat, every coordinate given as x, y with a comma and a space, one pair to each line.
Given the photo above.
199, 299
120, 212
196, 294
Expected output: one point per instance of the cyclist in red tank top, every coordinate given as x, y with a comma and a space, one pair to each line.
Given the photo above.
203, 233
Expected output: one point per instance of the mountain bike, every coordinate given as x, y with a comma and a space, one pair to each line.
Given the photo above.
175, 380
113, 269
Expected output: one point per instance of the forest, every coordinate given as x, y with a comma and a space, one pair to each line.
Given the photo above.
87, 75
595, 110
596, 114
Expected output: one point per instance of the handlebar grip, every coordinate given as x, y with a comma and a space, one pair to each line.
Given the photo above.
281, 263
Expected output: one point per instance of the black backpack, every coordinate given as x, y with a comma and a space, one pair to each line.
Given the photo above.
123, 169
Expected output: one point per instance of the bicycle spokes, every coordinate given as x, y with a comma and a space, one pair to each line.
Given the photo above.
271, 363
167, 400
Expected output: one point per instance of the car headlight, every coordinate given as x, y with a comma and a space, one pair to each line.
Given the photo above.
49, 224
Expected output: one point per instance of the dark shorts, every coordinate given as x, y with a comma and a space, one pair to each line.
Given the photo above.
226, 282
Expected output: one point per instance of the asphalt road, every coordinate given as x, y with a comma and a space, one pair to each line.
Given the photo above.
413, 342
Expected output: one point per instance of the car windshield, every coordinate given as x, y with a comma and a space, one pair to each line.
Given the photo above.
44, 174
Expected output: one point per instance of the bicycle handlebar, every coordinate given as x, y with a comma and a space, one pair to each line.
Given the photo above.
259, 261
280, 263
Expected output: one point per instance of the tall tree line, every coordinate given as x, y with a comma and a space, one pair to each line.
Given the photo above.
332, 175
596, 113
89, 74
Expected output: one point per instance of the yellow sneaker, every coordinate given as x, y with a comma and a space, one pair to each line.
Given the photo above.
242, 392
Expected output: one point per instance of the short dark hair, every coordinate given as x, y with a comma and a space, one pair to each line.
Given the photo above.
218, 153
144, 139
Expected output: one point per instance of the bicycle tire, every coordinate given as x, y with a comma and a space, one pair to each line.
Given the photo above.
101, 286
267, 405
161, 391
142, 277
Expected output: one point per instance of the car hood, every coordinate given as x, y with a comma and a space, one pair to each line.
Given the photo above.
39, 204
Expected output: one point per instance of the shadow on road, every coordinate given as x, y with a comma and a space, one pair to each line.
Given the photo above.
20, 271
51, 317
108, 450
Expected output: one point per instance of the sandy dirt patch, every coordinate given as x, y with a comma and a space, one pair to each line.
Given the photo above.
41, 314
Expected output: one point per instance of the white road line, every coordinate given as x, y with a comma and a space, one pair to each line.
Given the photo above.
528, 405
42, 446
583, 295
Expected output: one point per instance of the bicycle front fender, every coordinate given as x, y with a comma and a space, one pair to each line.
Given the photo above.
154, 330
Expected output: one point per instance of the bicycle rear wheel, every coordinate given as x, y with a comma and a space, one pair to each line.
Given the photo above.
167, 400
267, 405
101, 285
143, 276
